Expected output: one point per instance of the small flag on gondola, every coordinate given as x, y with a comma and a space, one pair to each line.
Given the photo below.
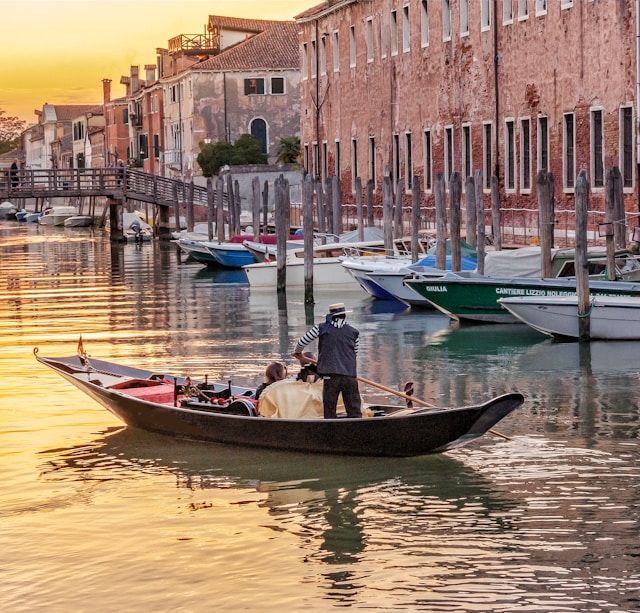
82, 354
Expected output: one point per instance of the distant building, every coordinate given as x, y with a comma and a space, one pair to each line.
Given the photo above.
116, 133
434, 87
87, 133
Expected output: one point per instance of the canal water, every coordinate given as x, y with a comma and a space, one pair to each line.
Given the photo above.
98, 517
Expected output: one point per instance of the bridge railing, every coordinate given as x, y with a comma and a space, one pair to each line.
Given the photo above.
62, 179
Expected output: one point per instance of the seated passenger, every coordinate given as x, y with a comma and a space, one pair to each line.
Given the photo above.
309, 371
276, 371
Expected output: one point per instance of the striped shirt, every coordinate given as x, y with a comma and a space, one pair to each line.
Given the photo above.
314, 333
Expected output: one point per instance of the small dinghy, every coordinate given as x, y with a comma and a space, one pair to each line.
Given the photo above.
225, 413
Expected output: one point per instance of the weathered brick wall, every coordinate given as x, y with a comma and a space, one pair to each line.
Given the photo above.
564, 61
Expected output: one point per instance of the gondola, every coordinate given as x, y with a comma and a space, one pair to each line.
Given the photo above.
225, 413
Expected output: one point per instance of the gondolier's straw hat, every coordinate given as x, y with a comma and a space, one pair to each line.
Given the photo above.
338, 309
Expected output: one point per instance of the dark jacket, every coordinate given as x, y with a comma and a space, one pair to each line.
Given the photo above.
337, 349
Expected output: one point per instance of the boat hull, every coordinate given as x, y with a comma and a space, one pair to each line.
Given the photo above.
421, 432
611, 317
327, 272
392, 283
230, 255
476, 298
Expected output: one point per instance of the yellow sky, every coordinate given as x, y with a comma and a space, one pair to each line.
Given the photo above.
58, 51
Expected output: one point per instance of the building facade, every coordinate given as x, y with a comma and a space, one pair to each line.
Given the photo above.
507, 87
116, 131
84, 129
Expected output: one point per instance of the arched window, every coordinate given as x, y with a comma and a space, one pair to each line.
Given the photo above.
258, 129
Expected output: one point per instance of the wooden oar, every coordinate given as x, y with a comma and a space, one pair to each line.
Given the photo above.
408, 397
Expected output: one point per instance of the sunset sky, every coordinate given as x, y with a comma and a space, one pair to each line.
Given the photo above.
58, 51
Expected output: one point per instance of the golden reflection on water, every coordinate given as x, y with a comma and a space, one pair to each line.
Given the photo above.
101, 517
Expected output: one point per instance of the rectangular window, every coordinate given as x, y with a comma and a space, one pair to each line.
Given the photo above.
446, 20
337, 160
253, 87
510, 155
372, 160
396, 157
393, 33
487, 149
467, 166
485, 15
305, 62
428, 161
336, 52
143, 147
352, 46
354, 162
277, 86
156, 146
368, 32
569, 148
566, 4
325, 160
323, 55
597, 148
626, 146
541, 7
507, 11
543, 144
523, 10
406, 29
525, 155
316, 160
448, 154
408, 161
314, 59
306, 157
464, 17
424, 23
125, 115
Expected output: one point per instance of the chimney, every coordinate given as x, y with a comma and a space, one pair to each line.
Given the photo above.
135, 79
126, 81
106, 90
150, 74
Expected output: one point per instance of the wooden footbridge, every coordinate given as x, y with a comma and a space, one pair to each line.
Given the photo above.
117, 185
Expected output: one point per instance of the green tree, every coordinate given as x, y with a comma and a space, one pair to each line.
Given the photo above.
213, 156
248, 150
10, 130
289, 150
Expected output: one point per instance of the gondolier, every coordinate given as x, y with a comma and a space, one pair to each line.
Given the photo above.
337, 353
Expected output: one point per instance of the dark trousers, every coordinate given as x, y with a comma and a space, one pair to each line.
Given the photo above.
333, 385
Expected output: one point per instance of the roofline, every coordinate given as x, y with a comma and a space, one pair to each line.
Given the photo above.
327, 11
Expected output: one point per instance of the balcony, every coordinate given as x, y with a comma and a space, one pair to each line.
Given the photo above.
194, 44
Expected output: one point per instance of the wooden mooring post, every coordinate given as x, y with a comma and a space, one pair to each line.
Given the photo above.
176, 205
398, 229
387, 214
415, 218
211, 208
480, 227
582, 266
265, 206
359, 212
231, 209
496, 221
237, 201
455, 192
611, 213
220, 209
336, 198
470, 211
307, 229
441, 222
115, 221
282, 230
328, 205
620, 227
371, 186
545, 221
190, 217
320, 204
256, 201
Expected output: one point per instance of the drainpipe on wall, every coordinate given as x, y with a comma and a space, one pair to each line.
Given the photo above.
316, 158
496, 89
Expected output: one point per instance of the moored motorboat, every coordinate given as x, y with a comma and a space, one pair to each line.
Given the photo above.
78, 221
7, 210
56, 216
154, 402
611, 317
22, 215
32, 217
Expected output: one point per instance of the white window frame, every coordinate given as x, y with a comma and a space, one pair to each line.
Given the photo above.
335, 50
305, 64
565, 4
368, 39
305, 156
541, 7
523, 189
406, 29
463, 154
408, 163
354, 163
396, 154
284, 85
373, 166
323, 55
485, 15
337, 157
464, 18
315, 154
427, 160
539, 143
523, 10
384, 37
507, 18
314, 59
565, 187
592, 166
631, 189
507, 148
325, 160
424, 23
446, 8
393, 33
487, 172
353, 50
447, 170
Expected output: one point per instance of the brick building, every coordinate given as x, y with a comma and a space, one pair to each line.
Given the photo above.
508, 87
116, 134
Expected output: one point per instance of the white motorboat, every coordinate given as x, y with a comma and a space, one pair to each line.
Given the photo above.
327, 267
612, 317
56, 216
78, 221
7, 210
134, 228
